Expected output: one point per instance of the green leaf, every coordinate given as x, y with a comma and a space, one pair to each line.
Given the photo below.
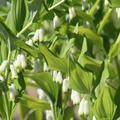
7, 35
88, 62
34, 103
53, 61
115, 3
114, 49
84, 16
69, 114
17, 15
32, 50
66, 46
46, 83
2, 108
80, 79
91, 35
104, 107
22, 15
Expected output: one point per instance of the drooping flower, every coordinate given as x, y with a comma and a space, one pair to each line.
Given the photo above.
59, 77
13, 91
118, 12
66, 85
106, 2
41, 94
94, 118
49, 115
38, 35
86, 109
3, 66
72, 13
14, 74
81, 107
75, 97
56, 22
29, 42
20, 62
45, 67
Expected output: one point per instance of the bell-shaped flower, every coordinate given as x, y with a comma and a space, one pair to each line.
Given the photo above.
13, 91
86, 108
94, 118
72, 13
20, 62
81, 107
14, 74
49, 115
38, 35
41, 94
66, 85
75, 97
56, 22
1, 78
118, 12
3, 66
29, 42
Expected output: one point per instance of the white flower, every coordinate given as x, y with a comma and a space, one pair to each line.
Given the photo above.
118, 12
54, 75
13, 91
56, 22
75, 97
29, 42
3, 66
49, 115
59, 77
86, 109
14, 74
1, 78
81, 107
45, 67
106, 2
38, 35
93, 118
66, 85
72, 13
20, 62
41, 94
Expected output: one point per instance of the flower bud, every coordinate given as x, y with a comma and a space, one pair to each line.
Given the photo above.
75, 97
72, 13
86, 109
13, 91
29, 42
54, 75
56, 22
66, 85
81, 107
3, 66
49, 115
14, 74
94, 118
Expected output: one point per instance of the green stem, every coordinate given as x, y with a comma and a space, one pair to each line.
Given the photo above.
57, 4
6, 105
24, 29
94, 8
104, 21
